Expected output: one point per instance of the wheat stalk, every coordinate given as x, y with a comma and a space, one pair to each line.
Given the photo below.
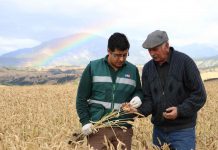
104, 122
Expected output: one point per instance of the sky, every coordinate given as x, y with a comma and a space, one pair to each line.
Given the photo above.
27, 23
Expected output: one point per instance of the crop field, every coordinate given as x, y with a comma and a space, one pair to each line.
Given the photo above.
43, 117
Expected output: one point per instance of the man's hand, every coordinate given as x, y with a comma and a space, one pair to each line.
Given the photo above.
87, 129
128, 108
135, 102
171, 113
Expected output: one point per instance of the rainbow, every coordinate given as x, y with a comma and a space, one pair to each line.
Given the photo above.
50, 54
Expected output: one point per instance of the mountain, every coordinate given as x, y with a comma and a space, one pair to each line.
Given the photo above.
79, 49
75, 50
205, 63
198, 51
32, 76
205, 56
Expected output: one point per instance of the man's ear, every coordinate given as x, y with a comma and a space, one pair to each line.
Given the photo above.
167, 44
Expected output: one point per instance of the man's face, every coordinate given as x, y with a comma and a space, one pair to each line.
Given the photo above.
117, 58
160, 53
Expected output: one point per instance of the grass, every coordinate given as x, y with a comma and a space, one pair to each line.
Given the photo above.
43, 117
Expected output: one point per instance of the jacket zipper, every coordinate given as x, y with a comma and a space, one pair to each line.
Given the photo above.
161, 86
163, 94
113, 90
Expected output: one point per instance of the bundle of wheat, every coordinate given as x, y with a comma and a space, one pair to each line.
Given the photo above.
107, 121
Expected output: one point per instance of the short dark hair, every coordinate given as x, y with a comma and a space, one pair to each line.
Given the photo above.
118, 41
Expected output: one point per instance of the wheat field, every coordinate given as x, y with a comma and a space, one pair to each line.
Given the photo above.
43, 117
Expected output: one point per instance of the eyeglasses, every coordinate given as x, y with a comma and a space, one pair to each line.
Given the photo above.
119, 55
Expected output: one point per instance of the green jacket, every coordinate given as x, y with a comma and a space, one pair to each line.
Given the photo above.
102, 89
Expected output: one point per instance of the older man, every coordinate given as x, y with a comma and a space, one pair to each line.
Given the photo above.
173, 93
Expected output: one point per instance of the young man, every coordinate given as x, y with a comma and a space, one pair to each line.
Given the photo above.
173, 93
105, 84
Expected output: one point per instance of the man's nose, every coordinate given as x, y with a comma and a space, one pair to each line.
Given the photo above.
121, 58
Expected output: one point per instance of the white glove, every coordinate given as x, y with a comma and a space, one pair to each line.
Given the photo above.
135, 102
87, 129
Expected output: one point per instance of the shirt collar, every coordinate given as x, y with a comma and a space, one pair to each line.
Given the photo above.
169, 57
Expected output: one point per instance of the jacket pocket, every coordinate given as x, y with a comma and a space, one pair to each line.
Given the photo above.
97, 111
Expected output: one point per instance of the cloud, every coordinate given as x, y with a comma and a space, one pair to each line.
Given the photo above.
185, 21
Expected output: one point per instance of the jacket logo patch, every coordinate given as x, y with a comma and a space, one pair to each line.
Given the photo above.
127, 75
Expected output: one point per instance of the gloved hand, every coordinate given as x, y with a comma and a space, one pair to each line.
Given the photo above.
87, 129
135, 102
